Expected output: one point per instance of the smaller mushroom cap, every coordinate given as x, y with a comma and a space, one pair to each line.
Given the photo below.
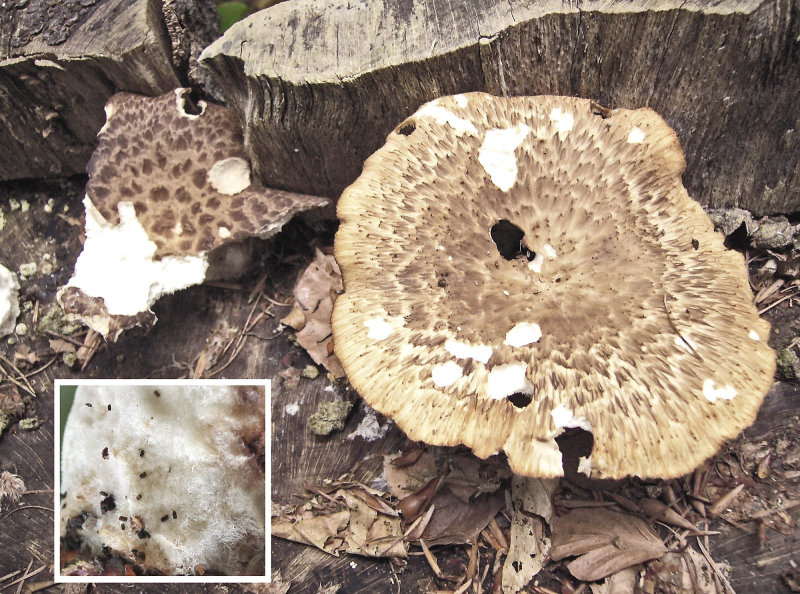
515, 267
166, 186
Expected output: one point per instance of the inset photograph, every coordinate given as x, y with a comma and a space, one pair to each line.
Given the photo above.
162, 478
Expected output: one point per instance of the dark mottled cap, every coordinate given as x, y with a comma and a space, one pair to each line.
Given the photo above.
514, 267
186, 174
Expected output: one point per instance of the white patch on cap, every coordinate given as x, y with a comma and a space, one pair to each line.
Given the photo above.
508, 379
224, 232
117, 264
109, 109
461, 101
686, 343
564, 418
463, 350
550, 251
585, 465
636, 135
180, 105
379, 329
754, 335
445, 116
563, 121
713, 393
522, 334
177, 229
446, 374
229, 176
497, 154
536, 264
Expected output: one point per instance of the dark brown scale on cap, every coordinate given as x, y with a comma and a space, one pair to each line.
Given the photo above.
583, 289
181, 170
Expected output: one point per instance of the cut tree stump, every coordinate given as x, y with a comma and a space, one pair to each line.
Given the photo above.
60, 64
320, 85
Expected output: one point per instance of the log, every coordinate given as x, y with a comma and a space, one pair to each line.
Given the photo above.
60, 64
319, 86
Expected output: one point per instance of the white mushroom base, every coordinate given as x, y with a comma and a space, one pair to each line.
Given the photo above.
188, 490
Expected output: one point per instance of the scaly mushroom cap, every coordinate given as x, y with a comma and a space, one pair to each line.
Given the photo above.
618, 310
166, 186
186, 174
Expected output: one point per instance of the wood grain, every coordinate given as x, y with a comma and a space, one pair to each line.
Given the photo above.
55, 82
319, 86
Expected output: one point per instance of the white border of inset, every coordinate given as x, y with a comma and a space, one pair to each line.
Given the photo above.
59, 383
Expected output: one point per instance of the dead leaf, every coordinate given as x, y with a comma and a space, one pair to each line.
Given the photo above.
531, 513
622, 582
605, 542
59, 345
25, 355
314, 293
687, 572
351, 519
464, 490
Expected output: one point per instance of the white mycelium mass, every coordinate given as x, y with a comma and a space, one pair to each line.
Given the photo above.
508, 379
117, 264
446, 374
713, 393
165, 476
9, 300
497, 154
550, 251
463, 350
445, 116
636, 135
522, 334
379, 329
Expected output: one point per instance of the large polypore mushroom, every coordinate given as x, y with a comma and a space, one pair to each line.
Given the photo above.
168, 189
516, 267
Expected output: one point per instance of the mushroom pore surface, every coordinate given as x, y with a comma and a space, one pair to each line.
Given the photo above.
514, 267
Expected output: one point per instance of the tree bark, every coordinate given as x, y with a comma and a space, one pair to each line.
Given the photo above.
60, 64
320, 86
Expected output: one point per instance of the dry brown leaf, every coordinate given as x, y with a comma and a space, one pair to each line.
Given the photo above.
344, 521
687, 572
314, 294
404, 480
466, 498
605, 542
531, 513
622, 582
59, 345
25, 355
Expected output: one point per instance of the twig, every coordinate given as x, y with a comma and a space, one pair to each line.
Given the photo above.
768, 512
29, 388
16, 509
431, 559
773, 304
64, 337
9, 575
723, 580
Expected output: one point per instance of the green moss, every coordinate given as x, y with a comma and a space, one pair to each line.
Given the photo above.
330, 417
789, 364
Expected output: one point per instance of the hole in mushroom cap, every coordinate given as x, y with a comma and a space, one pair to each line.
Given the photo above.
191, 104
406, 128
508, 239
574, 444
520, 399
